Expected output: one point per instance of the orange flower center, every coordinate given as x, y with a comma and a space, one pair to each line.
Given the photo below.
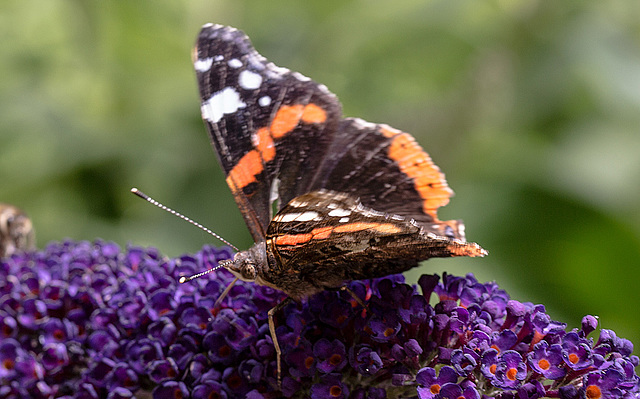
335, 391
335, 359
593, 392
308, 362
544, 364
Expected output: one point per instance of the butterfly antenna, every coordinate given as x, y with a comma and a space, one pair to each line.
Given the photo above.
185, 279
183, 217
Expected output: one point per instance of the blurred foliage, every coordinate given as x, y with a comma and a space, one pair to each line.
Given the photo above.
532, 109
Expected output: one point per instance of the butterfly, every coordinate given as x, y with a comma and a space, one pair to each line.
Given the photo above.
327, 199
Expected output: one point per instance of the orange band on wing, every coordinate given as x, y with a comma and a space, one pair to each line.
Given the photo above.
359, 226
388, 228
427, 178
313, 114
284, 122
244, 173
264, 144
293, 239
286, 119
322, 232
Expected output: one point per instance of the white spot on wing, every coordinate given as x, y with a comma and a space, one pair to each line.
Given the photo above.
274, 71
249, 80
226, 101
298, 204
300, 77
368, 212
297, 217
343, 220
218, 58
340, 212
332, 206
264, 101
234, 63
364, 124
203, 65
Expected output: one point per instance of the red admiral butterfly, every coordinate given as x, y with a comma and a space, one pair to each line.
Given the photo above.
353, 200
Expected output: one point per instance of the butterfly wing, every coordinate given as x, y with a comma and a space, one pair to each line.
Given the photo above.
279, 135
387, 170
323, 238
270, 127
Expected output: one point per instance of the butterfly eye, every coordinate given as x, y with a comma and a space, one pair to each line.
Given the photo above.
248, 272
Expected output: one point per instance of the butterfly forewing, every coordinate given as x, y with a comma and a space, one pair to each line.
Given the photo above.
270, 126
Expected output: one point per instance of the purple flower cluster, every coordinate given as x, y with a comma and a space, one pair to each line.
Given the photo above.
87, 320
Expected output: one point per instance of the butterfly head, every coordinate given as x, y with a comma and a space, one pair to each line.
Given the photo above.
247, 264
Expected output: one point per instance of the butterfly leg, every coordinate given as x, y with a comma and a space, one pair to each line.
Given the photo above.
353, 295
224, 293
218, 301
274, 338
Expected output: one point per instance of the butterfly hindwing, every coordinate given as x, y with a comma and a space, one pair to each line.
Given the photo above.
323, 238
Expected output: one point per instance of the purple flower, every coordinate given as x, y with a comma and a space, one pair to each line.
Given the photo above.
10, 351
576, 352
510, 370
365, 360
171, 390
430, 385
302, 361
532, 390
141, 352
331, 356
87, 320
384, 328
455, 391
8, 326
54, 357
122, 376
547, 360
489, 364
209, 389
603, 384
331, 387
464, 361
164, 369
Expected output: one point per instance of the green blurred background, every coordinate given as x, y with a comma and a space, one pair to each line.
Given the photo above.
532, 109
